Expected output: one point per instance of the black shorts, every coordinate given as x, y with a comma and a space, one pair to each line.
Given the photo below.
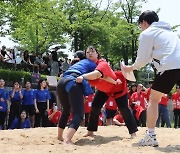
110, 113
165, 81
30, 109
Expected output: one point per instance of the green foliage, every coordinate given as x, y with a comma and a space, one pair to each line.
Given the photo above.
36, 24
10, 75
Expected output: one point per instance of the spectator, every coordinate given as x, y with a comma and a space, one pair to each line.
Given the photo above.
28, 102
118, 119
176, 107
4, 103
15, 97
21, 122
87, 107
65, 65
3, 53
41, 103
139, 105
52, 99
163, 111
39, 61
12, 57
54, 115
133, 89
111, 109
26, 59
48, 60
32, 61
55, 64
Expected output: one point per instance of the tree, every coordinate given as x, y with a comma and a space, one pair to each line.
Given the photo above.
36, 24
3, 18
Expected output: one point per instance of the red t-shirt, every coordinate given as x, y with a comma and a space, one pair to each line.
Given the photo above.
176, 100
111, 104
88, 103
148, 94
119, 118
164, 100
107, 87
56, 116
129, 98
139, 97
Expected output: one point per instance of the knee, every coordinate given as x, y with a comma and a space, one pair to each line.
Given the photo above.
155, 96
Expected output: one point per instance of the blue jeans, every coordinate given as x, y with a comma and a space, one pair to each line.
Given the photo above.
163, 111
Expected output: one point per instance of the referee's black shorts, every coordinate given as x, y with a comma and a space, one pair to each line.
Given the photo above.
165, 81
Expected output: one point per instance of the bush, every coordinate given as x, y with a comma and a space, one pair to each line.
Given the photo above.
12, 75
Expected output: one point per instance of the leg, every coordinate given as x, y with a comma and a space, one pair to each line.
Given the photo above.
64, 100
152, 110
86, 119
37, 120
2, 120
76, 100
159, 116
143, 118
175, 118
129, 120
165, 116
179, 118
152, 115
99, 99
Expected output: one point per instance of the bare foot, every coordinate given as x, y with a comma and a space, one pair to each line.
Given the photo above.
60, 138
68, 142
133, 135
91, 134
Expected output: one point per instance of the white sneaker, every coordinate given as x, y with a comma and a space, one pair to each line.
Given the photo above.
149, 140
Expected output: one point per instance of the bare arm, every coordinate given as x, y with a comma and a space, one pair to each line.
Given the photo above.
47, 105
96, 75
111, 80
35, 105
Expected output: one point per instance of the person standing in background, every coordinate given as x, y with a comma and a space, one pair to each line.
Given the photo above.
16, 98
176, 106
4, 103
28, 102
54, 64
163, 111
41, 103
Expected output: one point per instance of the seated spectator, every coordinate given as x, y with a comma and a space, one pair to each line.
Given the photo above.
39, 61
26, 60
32, 61
54, 115
3, 53
12, 57
118, 119
26, 57
21, 122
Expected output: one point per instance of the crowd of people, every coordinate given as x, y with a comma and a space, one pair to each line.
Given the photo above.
46, 63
